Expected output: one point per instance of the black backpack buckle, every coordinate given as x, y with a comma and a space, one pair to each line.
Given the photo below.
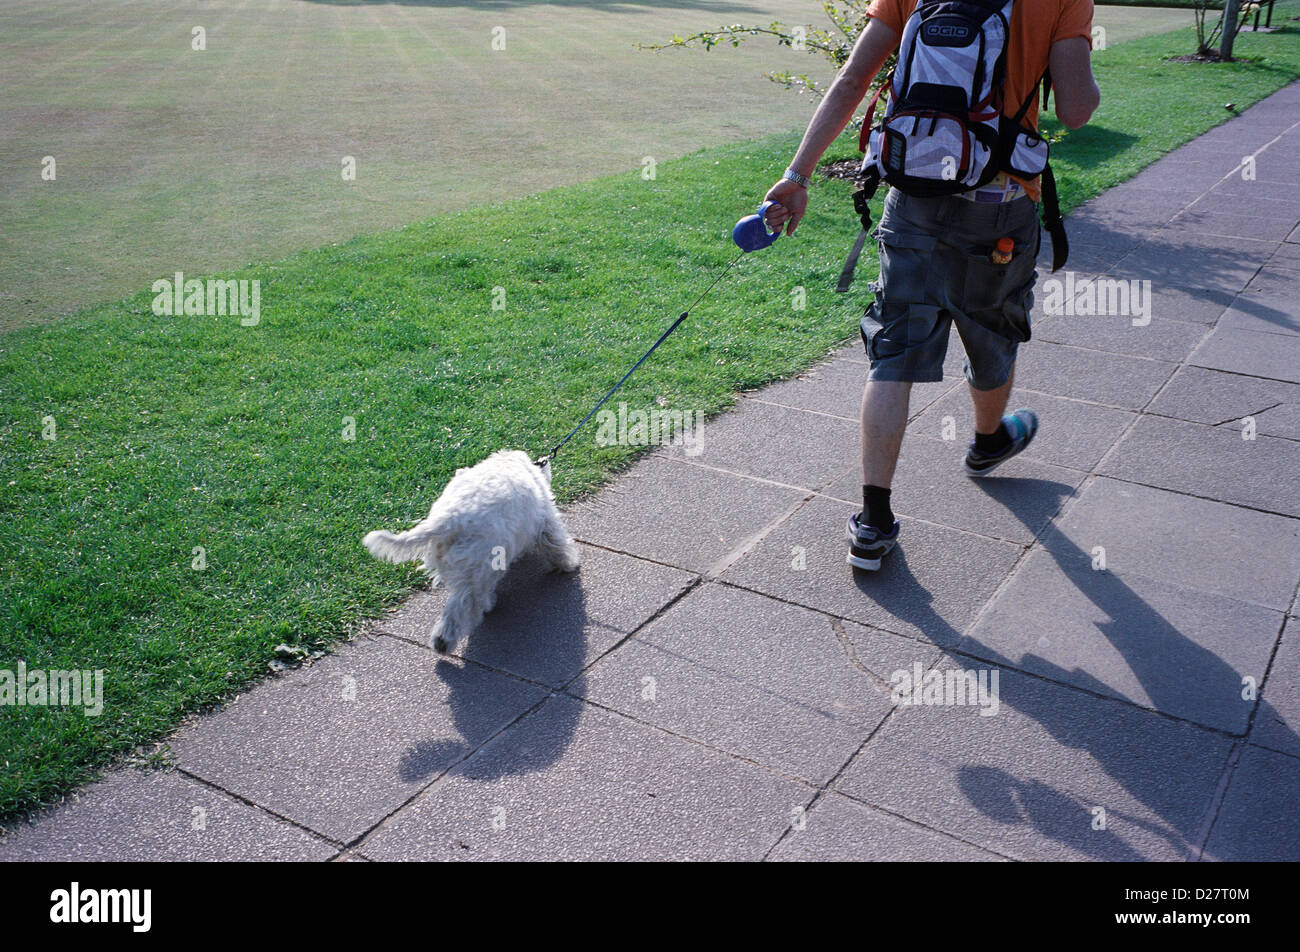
861, 206
863, 196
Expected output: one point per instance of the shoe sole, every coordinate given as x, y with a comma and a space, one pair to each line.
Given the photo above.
977, 473
867, 565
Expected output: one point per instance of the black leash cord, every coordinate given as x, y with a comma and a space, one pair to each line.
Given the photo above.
663, 337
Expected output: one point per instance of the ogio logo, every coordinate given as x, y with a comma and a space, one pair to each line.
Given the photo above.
946, 33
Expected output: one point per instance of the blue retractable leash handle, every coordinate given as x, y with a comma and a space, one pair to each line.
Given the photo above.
750, 234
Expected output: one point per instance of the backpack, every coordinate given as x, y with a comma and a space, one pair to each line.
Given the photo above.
944, 130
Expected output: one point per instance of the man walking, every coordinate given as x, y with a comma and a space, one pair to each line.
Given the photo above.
943, 260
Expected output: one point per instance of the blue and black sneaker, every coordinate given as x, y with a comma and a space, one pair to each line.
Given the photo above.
1021, 427
868, 545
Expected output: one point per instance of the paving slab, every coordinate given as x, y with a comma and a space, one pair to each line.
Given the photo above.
1239, 224
1209, 462
1267, 304
548, 626
930, 484
779, 685
1086, 260
1273, 172
1165, 535
1280, 421
341, 744
1252, 130
841, 830
1262, 202
1180, 171
1286, 256
1128, 219
682, 515
1200, 395
1260, 316
1175, 302
1071, 433
1276, 356
1161, 646
1105, 223
812, 450
1027, 781
1111, 380
835, 387
158, 816
930, 587
1103, 232
1182, 258
621, 791
1158, 338
1257, 821
1277, 722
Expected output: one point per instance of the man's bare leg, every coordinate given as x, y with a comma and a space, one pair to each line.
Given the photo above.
997, 437
990, 405
884, 420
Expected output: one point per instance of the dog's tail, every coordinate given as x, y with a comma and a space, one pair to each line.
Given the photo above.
404, 546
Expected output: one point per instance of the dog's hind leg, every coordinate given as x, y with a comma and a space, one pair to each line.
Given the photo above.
556, 546
472, 588
460, 616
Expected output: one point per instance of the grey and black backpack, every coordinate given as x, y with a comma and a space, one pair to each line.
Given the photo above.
944, 130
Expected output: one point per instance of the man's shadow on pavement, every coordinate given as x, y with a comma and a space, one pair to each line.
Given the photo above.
1148, 642
538, 632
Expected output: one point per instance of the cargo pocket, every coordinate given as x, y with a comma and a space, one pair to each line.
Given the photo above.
884, 331
905, 264
998, 296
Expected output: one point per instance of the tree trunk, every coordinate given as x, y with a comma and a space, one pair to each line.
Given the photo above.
1231, 13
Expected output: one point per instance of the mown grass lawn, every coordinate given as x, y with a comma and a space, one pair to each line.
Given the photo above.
246, 137
180, 432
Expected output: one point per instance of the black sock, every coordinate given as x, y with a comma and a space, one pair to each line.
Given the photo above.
875, 508
994, 442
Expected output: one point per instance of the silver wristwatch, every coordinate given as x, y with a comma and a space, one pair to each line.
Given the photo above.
793, 176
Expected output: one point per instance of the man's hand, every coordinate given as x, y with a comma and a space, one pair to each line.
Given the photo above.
833, 114
791, 202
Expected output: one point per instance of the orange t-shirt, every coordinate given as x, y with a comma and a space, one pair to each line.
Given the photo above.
1035, 26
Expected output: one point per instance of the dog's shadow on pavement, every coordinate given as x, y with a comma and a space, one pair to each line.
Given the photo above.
1165, 662
536, 633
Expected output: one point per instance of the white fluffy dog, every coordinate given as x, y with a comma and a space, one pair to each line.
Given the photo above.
487, 517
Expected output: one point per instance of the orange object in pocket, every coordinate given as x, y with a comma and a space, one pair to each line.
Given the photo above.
1003, 252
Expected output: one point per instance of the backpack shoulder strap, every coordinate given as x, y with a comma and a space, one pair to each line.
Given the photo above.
1052, 219
870, 116
1046, 81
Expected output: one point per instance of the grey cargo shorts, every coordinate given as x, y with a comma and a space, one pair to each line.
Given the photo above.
935, 271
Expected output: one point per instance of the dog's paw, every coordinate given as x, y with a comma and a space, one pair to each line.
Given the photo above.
570, 560
440, 645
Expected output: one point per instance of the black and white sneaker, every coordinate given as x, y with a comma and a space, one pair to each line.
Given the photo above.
1022, 425
868, 545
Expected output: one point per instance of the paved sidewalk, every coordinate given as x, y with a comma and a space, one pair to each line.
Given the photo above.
713, 683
